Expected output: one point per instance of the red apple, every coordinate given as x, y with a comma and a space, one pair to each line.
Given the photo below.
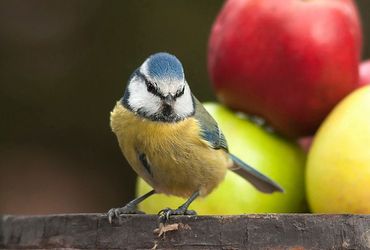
289, 61
364, 73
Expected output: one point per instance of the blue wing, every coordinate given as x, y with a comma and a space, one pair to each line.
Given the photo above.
213, 134
209, 127
258, 180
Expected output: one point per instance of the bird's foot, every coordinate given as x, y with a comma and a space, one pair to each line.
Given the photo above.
116, 212
165, 214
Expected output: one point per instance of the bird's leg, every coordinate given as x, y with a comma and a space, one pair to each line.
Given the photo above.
129, 208
165, 214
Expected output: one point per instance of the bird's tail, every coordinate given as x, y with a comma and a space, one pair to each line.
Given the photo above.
258, 180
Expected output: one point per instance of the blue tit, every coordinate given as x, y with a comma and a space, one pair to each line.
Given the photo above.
170, 140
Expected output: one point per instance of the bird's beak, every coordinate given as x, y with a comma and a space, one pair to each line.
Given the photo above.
169, 100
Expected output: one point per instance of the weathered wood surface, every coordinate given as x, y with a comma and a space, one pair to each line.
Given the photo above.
269, 231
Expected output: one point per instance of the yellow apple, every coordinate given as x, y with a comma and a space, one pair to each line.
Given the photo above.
338, 167
281, 160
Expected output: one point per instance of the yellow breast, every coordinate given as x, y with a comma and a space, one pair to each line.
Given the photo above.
180, 161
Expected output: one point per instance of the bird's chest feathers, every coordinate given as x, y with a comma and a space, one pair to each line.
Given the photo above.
161, 142
171, 157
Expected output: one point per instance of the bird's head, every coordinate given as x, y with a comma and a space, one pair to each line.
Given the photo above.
158, 91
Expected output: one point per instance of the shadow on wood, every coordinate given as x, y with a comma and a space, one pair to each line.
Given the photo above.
262, 231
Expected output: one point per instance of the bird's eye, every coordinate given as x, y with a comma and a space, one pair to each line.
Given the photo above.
180, 92
150, 87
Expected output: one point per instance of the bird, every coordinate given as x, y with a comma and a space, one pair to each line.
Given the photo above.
171, 141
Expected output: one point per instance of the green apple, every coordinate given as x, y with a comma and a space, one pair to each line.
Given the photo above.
281, 160
338, 166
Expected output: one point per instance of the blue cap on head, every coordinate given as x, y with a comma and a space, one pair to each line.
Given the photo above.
162, 66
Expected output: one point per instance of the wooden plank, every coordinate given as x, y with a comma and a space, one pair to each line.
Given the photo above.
262, 231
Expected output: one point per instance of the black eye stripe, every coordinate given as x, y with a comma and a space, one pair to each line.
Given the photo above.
180, 93
152, 88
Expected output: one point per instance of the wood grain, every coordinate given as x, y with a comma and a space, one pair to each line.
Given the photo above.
262, 231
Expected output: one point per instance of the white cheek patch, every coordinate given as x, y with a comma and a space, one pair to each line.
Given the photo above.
140, 98
184, 104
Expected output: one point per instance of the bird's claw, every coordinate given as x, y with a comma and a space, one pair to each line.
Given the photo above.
116, 212
165, 214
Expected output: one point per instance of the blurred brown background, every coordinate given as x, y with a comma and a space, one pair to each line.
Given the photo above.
63, 64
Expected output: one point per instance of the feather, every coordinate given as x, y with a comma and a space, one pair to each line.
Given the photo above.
257, 179
210, 131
